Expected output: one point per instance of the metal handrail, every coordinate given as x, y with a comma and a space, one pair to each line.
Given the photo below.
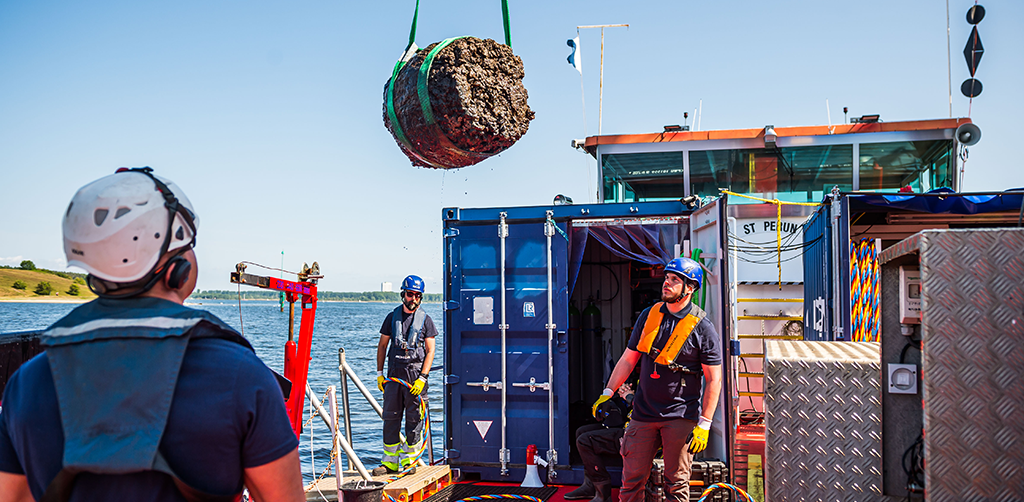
362, 389
348, 373
344, 396
339, 439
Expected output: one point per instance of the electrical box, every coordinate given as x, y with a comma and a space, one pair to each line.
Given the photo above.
910, 295
902, 378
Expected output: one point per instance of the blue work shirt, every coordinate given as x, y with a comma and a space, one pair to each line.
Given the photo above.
674, 394
227, 414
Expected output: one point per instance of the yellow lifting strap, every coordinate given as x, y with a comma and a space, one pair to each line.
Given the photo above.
684, 328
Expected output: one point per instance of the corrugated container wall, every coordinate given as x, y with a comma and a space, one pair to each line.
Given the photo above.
827, 272
817, 276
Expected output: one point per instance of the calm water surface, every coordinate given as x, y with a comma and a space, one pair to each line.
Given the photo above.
354, 326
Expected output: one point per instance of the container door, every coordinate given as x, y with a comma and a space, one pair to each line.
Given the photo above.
818, 279
473, 345
708, 227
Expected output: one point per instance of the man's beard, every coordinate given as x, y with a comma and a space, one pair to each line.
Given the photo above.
411, 305
673, 299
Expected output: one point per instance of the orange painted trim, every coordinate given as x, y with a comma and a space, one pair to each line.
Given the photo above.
663, 137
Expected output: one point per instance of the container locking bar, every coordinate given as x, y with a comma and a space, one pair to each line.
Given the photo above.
504, 453
549, 231
533, 385
486, 384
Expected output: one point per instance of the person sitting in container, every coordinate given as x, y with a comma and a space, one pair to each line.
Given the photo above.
599, 445
675, 344
138, 397
407, 339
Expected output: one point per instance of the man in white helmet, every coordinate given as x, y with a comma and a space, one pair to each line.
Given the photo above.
138, 397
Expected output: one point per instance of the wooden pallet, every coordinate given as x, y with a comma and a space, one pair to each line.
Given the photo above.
428, 480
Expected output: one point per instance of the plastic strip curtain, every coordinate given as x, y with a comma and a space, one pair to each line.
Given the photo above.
651, 243
865, 310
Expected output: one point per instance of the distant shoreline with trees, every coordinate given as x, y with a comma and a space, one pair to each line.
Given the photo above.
26, 282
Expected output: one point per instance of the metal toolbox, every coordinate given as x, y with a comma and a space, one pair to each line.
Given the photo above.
824, 421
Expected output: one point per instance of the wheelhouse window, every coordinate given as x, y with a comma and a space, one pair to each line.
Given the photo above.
923, 165
798, 174
795, 174
631, 177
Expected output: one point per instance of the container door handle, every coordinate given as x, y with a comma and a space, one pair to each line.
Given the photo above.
487, 384
533, 385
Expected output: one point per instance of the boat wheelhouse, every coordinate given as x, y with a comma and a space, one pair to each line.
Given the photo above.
798, 164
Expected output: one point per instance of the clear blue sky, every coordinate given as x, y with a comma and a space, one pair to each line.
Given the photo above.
268, 114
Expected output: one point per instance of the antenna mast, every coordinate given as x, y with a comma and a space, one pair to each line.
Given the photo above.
600, 99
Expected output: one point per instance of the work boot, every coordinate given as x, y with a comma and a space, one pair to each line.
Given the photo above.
602, 492
584, 492
381, 470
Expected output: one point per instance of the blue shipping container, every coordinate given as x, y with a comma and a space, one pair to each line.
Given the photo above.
538, 241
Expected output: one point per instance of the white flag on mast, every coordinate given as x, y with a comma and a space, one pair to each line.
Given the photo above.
574, 58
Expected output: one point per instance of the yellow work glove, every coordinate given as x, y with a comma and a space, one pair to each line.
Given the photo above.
417, 386
700, 435
606, 395
381, 380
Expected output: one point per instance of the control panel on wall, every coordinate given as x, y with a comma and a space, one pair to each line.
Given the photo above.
910, 295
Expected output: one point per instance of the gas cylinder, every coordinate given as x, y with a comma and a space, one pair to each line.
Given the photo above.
593, 353
575, 355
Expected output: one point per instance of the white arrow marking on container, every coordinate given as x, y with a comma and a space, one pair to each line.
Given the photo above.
482, 426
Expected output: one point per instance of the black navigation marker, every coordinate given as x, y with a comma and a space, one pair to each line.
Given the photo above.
975, 14
973, 51
971, 88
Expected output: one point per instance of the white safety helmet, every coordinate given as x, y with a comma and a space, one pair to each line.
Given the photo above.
118, 226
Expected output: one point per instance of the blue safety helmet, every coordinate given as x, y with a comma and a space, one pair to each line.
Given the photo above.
687, 269
413, 283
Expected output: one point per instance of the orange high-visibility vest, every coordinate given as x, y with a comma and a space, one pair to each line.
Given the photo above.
667, 354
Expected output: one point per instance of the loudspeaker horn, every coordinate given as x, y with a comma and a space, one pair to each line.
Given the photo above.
968, 134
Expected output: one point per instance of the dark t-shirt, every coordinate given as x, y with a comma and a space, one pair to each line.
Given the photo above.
227, 415
674, 394
405, 364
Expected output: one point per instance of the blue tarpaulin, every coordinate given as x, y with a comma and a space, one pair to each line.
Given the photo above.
934, 202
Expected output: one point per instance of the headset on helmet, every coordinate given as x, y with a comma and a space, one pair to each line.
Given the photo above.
413, 283
688, 269
118, 227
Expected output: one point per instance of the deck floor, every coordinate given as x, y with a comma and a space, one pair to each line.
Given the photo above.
327, 486
428, 480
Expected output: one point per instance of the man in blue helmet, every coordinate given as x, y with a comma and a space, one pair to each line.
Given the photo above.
407, 340
675, 344
138, 397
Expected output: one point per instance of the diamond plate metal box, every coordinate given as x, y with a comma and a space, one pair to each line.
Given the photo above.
972, 289
824, 423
